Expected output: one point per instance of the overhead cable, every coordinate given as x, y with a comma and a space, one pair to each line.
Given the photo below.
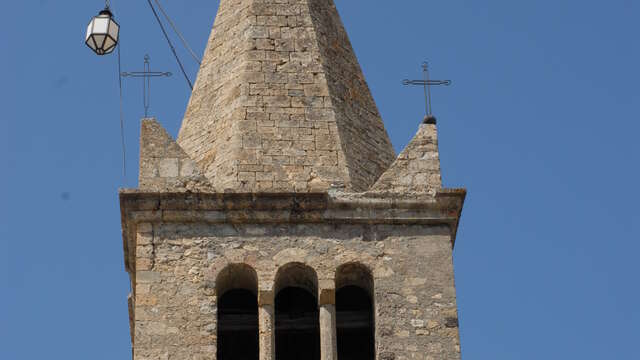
170, 44
124, 150
175, 28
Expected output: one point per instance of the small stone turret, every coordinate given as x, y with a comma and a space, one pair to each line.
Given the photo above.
164, 166
417, 168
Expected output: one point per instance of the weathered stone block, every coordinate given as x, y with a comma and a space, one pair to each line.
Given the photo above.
169, 168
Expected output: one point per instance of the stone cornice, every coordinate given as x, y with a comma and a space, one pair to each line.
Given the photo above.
336, 207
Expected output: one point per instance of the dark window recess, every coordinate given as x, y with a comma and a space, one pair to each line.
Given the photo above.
238, 326
355, 324
297, 325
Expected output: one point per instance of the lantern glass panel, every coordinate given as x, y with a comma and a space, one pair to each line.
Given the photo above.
108, 44
89, 30
114, 29
100, 25
91, 43
99, 40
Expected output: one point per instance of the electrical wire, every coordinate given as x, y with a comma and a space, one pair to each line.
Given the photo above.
170, 44
175, 28
124, 150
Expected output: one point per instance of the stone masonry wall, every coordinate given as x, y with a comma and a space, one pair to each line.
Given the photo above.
280, 103
177, 265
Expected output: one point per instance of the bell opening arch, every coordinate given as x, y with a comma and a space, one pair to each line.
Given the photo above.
297, 334
355, 319
238, 335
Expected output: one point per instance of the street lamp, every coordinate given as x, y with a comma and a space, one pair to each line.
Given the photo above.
102, 33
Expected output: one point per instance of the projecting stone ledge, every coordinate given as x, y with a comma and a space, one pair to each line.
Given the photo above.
370, 215
417, 168
164, 166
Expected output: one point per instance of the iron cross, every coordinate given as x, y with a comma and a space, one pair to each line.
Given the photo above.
146, 76
426, 82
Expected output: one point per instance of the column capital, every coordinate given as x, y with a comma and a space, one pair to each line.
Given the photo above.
265, 297
327, 296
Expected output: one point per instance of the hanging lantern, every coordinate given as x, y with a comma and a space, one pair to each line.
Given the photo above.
102, 33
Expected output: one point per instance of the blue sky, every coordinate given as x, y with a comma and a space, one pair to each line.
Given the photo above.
540, 126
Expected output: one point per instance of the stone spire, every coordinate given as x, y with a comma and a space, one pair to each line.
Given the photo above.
281, 104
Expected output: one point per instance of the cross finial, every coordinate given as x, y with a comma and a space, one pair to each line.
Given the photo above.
426, 83
146, 76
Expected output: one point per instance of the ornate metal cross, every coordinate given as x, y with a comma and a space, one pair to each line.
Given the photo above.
426, 82
146, 76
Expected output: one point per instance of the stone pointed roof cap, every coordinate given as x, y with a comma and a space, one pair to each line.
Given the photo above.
281, 104
164, 166
417, 168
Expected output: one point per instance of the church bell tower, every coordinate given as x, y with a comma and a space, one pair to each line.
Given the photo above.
281, 225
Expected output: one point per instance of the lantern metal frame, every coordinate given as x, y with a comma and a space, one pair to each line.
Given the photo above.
91, 39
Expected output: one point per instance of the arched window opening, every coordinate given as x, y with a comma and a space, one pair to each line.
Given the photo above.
355, 322
296, 306
237, 288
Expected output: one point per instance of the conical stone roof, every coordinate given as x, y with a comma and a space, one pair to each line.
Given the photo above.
281, 104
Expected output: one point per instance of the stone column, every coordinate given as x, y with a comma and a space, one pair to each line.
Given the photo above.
266, 327
328, 338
